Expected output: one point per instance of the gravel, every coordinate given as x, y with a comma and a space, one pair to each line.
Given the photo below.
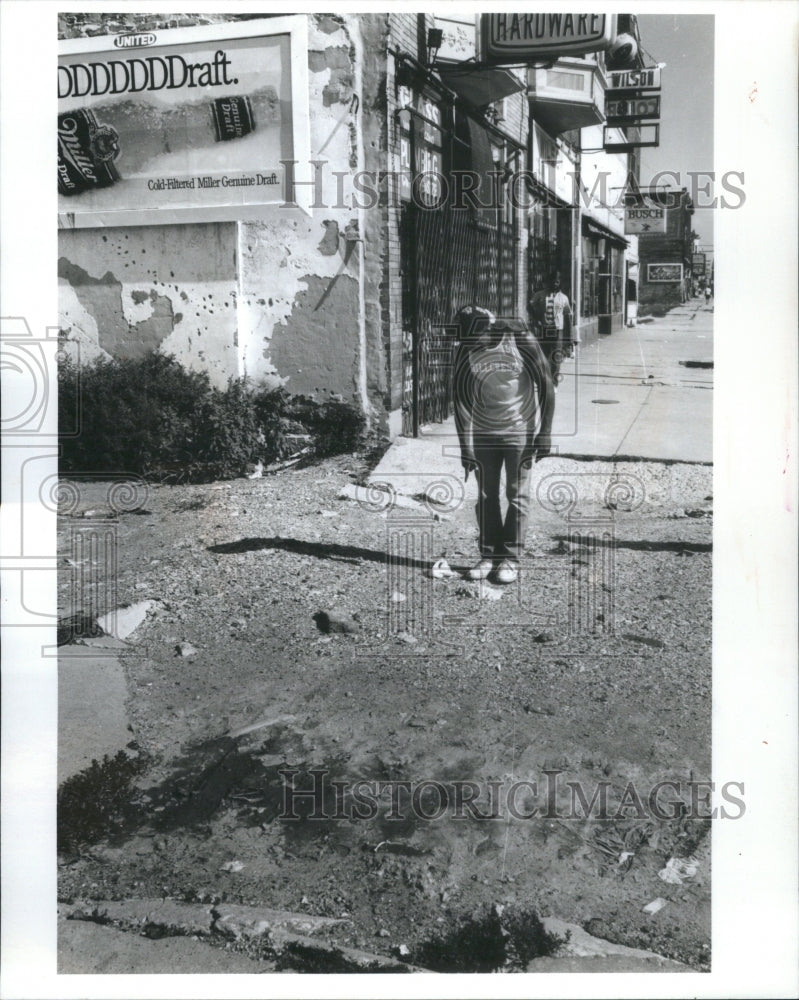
595, 664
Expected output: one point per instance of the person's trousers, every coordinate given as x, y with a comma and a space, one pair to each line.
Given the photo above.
554, 347
502, 538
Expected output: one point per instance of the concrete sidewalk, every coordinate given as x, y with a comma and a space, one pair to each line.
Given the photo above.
92, 691
92, 721
642, 393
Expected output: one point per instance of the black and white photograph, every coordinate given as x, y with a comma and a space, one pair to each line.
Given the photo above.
399, 498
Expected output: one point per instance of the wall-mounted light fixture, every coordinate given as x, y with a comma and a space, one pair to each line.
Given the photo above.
494, 115
435, 37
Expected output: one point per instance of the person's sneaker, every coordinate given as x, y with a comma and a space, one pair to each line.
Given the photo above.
481, 570
507, 572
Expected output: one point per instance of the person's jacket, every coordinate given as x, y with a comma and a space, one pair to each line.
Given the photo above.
536, 445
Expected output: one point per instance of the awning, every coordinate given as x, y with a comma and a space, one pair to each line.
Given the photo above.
473, 153
592, 228
480, 86
543, 193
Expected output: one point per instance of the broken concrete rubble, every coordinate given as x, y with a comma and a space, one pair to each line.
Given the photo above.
246, 921
169, 916
283, 935
122, 622
374, 498
311, 955
578, 943
89, 948
336, 620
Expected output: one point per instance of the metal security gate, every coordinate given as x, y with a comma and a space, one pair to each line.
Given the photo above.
451, 257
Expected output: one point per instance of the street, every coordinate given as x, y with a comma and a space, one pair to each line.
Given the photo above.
294, 625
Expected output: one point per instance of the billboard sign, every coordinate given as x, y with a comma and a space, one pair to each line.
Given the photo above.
644, 217
190, 124
525, 38
699, 264
663, 272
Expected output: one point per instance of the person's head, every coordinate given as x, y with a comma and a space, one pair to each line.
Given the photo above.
472, 321
505, 325
554, 282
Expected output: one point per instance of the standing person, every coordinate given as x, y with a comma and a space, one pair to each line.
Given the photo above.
504, 403
708, 293
552, 315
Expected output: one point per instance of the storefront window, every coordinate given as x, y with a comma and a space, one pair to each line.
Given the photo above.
617, 280
602, 278
591, 267
542, 247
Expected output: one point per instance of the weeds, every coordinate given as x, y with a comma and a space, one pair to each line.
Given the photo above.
94, 804
153, 417
493, 939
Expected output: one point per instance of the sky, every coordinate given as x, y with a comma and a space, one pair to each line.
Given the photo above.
685, 43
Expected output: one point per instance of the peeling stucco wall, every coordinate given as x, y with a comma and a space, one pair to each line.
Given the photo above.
127, 291
318, 348
300, 316
283, 300
374, 133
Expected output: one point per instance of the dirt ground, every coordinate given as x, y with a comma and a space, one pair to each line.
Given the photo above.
378, 673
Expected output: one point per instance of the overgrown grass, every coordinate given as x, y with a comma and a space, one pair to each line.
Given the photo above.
153, 417
492, 939
96, 803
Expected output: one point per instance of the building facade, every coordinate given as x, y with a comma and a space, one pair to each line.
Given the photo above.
280, 290
667, 258
411, 179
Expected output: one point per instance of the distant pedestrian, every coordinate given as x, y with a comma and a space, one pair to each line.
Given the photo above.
708, 293
552, 315
504, 403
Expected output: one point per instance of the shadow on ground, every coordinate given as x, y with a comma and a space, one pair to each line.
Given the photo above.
320, 550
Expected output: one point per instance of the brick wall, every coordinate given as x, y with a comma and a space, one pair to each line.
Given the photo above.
516, 124
89, 25
404, 35
376, 132
407, 34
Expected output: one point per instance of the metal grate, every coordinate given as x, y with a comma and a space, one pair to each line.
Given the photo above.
450, 258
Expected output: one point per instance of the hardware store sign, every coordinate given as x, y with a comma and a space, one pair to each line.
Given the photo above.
523, 38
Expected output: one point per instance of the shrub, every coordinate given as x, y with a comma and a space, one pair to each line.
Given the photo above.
133, 415
334, 425
491, 939
153, 417
229, 434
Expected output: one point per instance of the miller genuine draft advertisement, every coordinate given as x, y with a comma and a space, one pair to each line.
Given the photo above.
193, 125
